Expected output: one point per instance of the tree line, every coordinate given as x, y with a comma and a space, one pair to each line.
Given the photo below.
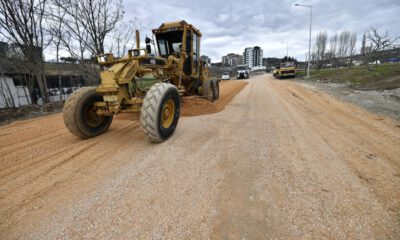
81, 28
340, 49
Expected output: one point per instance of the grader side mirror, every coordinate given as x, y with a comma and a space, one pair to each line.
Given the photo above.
148, 46
147, 40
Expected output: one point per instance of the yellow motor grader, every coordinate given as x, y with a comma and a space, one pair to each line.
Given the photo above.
285, 70
151, 84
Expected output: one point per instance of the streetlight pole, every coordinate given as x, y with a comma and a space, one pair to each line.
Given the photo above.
287, 52
309, 41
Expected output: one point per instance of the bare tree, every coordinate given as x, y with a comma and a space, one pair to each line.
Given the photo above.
320, 47
363, 44
95, 17
314, 54
56, 29
87, 26
75, 37
22, 22
122, 37
352, 47
333, 43
380, 43
344, 39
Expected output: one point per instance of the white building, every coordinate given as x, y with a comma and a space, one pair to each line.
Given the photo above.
206, 59
253, 57
12, 95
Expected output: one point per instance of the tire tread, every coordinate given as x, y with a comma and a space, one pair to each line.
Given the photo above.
149, 112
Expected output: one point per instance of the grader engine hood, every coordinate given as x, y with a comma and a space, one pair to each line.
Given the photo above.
125, 70
152, 61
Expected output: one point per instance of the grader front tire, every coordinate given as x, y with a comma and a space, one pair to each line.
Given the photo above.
80, 116
160, 112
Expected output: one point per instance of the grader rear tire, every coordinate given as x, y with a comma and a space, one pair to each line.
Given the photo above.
160, 112
80, 116
208, 89
216, 89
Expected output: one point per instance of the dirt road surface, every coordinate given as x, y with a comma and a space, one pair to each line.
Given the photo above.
279, 162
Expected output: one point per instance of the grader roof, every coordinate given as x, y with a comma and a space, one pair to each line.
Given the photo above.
177, 25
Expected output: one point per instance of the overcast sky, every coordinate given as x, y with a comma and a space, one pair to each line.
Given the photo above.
231, 25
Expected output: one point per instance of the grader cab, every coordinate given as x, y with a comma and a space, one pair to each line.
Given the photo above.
151, 84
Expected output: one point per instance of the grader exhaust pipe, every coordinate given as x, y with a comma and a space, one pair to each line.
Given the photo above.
137, 39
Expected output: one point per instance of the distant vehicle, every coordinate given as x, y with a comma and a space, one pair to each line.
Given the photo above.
225, 76
243, 72
275, 71
285, 70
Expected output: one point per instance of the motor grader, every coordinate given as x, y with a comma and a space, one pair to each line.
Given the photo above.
285, 70
151, 84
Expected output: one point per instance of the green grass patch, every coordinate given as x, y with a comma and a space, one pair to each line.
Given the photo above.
384, 76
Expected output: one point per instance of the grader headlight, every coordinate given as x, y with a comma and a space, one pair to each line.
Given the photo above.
101, 59
105, 58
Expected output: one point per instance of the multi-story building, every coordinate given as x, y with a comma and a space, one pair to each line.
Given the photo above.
253, 57
206, 59
232, 60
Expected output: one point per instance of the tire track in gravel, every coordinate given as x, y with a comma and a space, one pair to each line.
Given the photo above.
46, 171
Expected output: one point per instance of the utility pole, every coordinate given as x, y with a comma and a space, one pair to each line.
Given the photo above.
309, 41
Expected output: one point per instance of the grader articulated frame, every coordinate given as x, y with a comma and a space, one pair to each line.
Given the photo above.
151, 84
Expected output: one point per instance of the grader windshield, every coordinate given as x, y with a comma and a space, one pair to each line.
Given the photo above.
169, 43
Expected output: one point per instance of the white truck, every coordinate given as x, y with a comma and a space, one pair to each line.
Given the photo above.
243, 72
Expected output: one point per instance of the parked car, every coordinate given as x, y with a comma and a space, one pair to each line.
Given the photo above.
225, 76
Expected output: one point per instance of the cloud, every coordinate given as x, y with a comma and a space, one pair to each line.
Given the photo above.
230, 26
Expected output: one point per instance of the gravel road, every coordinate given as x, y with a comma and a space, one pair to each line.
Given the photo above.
382, 102
280, 161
